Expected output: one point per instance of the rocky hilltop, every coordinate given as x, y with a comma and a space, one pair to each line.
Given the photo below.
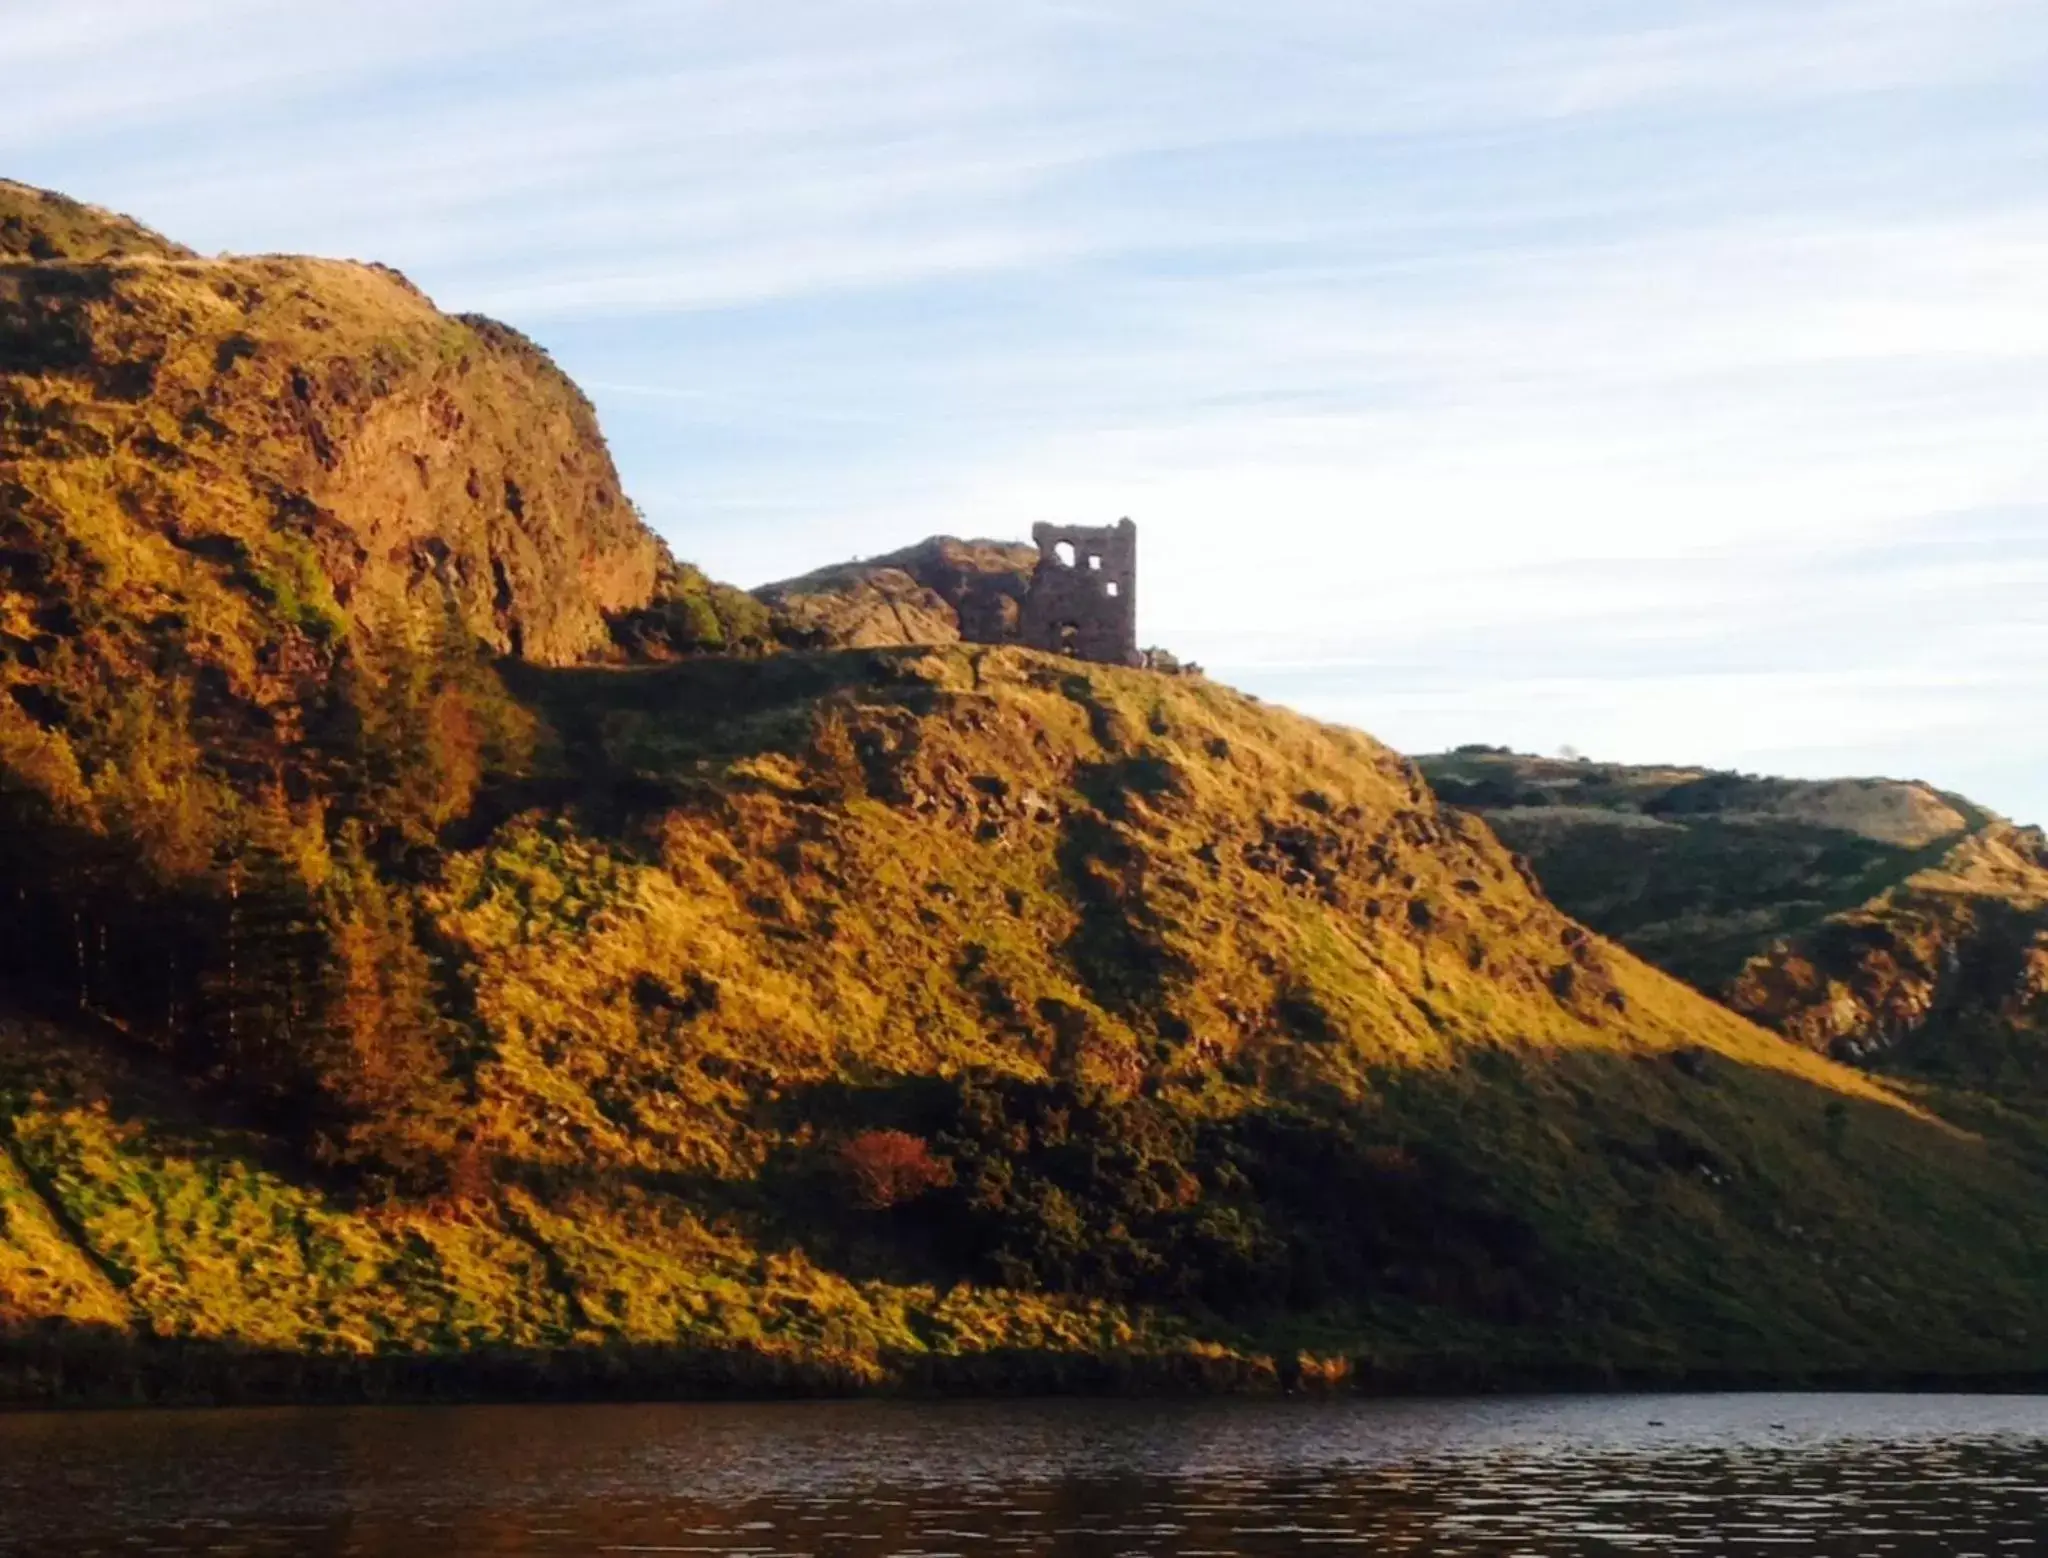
940, 591
424, 966
1885, 922
39, 224
263, 444
243, 429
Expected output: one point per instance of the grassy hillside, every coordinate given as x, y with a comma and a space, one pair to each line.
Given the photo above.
965, 1015
1883, 921
423, 966
1943, 975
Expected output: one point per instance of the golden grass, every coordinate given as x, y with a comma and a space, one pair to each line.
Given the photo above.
656, 990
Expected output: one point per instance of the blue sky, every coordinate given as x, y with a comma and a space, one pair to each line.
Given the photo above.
1669, 380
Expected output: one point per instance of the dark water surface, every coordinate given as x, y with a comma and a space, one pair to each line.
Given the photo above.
1912, 1476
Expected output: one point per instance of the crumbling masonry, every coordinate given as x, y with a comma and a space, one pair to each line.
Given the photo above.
1084, 593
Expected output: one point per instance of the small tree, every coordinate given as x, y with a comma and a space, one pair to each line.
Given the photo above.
887, 1168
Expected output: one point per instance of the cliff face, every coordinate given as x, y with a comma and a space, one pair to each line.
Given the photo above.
264, 524
1880, 921
221, 428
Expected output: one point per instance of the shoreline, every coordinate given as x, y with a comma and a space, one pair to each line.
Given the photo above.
37, 1375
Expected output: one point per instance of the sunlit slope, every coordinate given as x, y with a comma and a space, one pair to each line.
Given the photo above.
39, 224
264, 525
130, 1215
930, 858
1222, 1041
253, 457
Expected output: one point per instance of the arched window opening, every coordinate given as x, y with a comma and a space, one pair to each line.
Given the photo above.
1065, 553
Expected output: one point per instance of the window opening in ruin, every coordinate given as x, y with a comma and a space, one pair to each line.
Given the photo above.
1081, 600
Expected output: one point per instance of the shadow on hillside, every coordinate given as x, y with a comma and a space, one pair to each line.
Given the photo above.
1663, 892
61, 1364
626, 743
725, 706
73, 1061
1706, 1209
74, 1366
1598, 1215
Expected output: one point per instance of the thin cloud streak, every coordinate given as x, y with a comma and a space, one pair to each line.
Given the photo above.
1632, 376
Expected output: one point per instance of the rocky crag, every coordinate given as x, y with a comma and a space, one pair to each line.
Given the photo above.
940, 591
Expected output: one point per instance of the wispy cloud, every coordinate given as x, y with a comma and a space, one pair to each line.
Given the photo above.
1669, 378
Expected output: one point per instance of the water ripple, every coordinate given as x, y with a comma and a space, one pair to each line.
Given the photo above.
1868, 1476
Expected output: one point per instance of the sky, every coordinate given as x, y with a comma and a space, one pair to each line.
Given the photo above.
1665, 379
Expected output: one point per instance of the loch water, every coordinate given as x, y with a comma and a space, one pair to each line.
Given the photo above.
1902, 1476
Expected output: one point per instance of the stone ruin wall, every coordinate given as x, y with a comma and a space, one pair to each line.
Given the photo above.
1084, 593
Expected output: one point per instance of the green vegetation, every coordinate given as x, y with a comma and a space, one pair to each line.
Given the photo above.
935, 1016
1884, 922
690, 614
448, 946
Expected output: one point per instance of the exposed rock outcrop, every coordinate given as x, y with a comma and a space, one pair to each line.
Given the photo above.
1946, 973
940, 591
219, 423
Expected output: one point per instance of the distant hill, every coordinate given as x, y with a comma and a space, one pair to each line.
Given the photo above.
448, 945
940, 591
1882, 921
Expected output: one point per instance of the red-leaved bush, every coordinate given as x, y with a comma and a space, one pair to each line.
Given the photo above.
887, 1168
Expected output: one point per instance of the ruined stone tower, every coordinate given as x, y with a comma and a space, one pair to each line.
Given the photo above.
1084, 594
